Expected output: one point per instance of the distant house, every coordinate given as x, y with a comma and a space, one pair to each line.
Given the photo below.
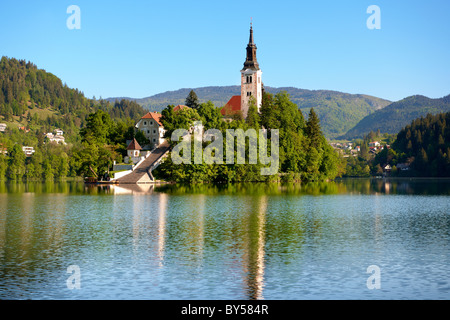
133, 152
57, 137
151, 126
24, 129
59, 132
3, 149
179, 107
3, 127
28, 151
374, 144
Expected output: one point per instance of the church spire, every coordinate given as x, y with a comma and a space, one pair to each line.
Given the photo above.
250, 61
251, 32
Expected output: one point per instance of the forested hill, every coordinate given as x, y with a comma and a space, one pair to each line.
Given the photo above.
38, 100
337, 111
397, 115
424, 145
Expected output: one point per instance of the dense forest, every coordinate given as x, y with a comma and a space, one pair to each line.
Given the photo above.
34, 102
423, 145
304, 153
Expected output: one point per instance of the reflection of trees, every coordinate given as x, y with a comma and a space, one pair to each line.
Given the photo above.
260, 188
50, 186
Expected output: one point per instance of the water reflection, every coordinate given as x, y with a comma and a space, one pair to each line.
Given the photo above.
342, 186
413, 186
244, 241
254, 255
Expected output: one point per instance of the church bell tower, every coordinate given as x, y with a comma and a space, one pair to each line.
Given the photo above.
251, 82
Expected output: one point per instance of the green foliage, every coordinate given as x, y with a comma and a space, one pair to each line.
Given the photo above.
96, 131
253, 119
304, 155
192, 100
425, 145
16, 165
181, 119
210, 116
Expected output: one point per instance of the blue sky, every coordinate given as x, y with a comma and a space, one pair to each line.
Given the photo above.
140, 48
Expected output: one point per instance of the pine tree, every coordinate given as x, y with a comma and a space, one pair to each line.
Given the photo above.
192, 100
312, 130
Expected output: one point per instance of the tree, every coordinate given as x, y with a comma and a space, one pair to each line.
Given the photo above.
3, 166
210, 116
98, 128
16, 166
313, 131
182, 119
253, 119
192, 100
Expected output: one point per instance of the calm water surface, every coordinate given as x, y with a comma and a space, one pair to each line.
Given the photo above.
250, 241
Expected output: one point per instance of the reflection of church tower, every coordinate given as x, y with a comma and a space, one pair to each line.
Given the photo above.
251, 85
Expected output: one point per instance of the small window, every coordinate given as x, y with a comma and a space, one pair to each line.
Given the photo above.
145, 123
154, 140
148, 131
151, 123
154, 131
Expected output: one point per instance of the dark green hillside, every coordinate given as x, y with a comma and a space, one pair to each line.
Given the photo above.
337, 111
38, 100
423, 145
397, 115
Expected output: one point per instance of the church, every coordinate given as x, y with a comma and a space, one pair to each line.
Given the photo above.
251, 84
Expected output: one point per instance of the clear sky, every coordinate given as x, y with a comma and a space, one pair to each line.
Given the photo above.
140, 48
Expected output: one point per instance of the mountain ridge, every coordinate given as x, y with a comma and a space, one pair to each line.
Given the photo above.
397, 115
338, 111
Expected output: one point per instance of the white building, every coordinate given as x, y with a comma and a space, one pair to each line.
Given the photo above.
57, 138
133, 152
153, 129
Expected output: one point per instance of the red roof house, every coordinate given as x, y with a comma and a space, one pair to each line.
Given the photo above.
233, 106
155, 116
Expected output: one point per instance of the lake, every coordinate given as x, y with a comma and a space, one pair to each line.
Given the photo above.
349, 239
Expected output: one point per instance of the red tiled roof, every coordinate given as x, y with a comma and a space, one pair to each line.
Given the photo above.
232, 106
179, 107
134, 145
155, 116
